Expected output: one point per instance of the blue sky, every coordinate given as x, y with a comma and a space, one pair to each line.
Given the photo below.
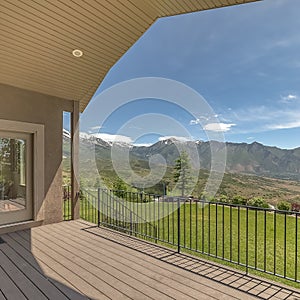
244, 60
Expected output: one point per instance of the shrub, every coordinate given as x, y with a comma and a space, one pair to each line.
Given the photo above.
284, 205
223, 199
212, 199
258, 202
239, 200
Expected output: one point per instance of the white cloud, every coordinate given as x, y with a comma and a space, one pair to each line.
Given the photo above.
218, 127
252, 114
250, 138
288, 98
113, 137
199, 120
178, 138
195, 122
95, 127
202, 119
287, 125
266, 118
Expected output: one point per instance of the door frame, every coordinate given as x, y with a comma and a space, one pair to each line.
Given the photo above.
38, 149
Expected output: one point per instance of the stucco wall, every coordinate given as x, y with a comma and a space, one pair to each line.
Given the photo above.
26, 106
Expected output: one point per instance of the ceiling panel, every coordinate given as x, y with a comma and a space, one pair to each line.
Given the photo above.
38, 37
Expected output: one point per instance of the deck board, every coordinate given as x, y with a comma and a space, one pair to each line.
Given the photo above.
2, 295
18, 276
63, 265
8, 287
124, 278
35, 276
61, 283
99, 279
133, 272
76, 260
163, 277
45, 261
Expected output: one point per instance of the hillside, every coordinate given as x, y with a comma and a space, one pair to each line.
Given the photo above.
242, 158
251, 169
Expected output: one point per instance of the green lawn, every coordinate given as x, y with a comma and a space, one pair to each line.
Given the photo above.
222, 231
216, 230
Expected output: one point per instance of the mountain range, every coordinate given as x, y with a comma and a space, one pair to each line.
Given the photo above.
242, 158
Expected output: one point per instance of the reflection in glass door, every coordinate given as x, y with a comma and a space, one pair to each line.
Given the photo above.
15, 177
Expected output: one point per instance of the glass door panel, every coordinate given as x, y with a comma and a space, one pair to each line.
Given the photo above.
15, 177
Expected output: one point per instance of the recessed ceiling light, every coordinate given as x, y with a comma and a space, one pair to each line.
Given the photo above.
77, 53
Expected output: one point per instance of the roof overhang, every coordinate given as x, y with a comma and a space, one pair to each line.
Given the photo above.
38, 37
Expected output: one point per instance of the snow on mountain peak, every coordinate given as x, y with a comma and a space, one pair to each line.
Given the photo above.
66, 133
106, 139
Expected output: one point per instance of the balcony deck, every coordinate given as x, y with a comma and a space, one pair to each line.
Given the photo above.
76, 260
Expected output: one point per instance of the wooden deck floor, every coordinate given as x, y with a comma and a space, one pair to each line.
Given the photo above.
76, 260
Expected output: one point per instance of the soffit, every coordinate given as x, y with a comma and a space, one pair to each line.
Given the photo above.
38, 37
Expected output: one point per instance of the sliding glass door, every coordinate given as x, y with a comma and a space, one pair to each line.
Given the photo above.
15, 177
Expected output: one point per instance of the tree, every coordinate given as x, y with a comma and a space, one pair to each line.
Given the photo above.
119, 187
182, 171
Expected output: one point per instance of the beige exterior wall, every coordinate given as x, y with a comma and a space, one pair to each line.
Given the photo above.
26, 106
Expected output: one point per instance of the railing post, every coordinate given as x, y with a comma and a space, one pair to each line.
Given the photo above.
99, 191
178, 225
130, 223
247, 240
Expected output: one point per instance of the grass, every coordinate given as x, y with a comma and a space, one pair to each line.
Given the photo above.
219, 232
222, 232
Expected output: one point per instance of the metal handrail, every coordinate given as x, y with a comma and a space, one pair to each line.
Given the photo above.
255, 238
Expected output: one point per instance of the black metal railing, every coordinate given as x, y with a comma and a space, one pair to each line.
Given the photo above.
67, 215
89, 206
254, 238
119, 210
114, 213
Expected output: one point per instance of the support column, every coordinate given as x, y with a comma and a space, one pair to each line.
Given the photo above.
75, 211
